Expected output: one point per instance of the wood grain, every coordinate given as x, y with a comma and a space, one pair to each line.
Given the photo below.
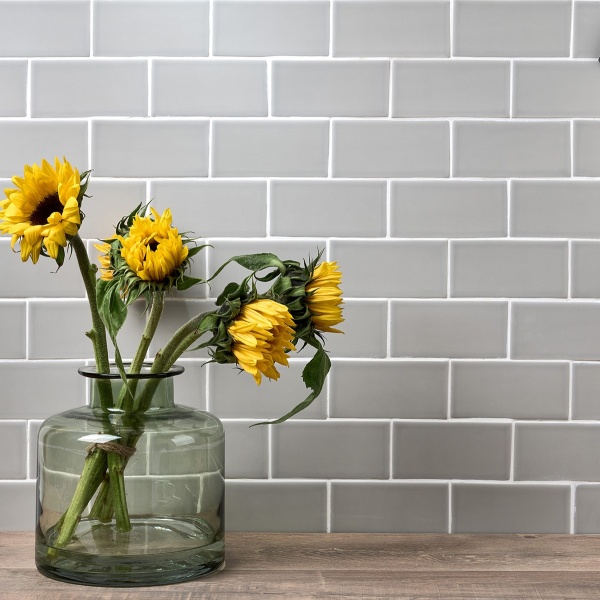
373, 566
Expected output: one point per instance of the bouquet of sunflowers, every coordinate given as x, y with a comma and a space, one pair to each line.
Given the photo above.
144, 259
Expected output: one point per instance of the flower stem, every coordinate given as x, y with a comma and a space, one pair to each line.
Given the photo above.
98, 332
93, 473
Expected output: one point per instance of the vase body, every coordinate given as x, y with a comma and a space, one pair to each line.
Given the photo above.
171, 461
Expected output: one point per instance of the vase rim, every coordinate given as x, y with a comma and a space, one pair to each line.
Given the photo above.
92, 372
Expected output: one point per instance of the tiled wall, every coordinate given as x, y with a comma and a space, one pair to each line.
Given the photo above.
445, 152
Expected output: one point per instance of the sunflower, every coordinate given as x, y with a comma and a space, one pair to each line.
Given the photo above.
324, 297
43, 209
262, 334
104, 259
153, 249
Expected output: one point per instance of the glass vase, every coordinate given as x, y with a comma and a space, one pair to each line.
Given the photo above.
130, 496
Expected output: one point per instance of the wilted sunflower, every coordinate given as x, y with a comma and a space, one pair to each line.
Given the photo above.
43, 209
153, 249
324, 297
262, 333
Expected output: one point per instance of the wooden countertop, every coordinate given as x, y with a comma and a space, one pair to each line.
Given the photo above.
370, 566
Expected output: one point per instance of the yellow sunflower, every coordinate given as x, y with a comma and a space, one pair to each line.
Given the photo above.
43, 208
153, 249
262, 333
324, 297
104, 259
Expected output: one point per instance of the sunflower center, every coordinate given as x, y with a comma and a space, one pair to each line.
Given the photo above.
50, 204
153, 245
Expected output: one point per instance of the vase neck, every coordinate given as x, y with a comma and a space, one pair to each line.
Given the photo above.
141, 392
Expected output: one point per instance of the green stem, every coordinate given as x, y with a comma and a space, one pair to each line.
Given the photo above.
98, 332
93, 472
127, 394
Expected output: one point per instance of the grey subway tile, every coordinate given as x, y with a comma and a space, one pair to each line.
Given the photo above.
512, 27
389, 507
448, 208
389, 389
275, 506
441, 328
392, 268
556, 452
451, 450
509, 269
501, 508
556, 330
331, 450
510, 390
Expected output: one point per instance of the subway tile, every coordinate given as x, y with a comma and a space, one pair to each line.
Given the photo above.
291, 28
13, 80
215, 208
442, 88
108, 203
330, 449
13, 447
586, 146
190, 386
28, 142
392, 268
391, 149
487, 508
175, 314
364, 331
247, 454
222, 251
510, 390
451, 450
509, 269
276, 506
381, 389
587, 516
586, 383
33, 428
211, 88
555, 330
12, 341
45, 28
328, 208
512, 28
138, 148
448, 209
441, 328
511, 149
585, 270
270, 148
390, 507
137, 28
234, 394
566, 208
67, 321
39, 280
556, 89
336, 88
17, 505
556, 452
376, 28
586, 22
104, 88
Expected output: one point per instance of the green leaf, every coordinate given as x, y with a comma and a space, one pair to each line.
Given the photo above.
254, 262
187, 282
111, 307
193, 251
313, 375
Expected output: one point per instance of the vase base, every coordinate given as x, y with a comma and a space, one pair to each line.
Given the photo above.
157, 551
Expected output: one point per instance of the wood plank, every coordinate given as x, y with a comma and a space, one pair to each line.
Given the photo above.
373, 566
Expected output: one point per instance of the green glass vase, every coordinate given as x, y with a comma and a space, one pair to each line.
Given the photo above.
130, 497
